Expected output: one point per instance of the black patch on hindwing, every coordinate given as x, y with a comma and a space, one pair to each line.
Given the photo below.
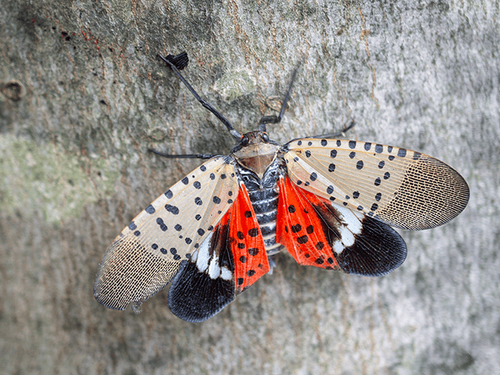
378, 250
194, 296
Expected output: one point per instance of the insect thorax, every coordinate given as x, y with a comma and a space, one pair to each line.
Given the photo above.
263, 192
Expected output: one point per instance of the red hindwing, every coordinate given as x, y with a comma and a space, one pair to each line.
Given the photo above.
247, 245
300, 229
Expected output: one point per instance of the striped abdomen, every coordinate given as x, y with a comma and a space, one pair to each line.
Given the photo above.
265, 205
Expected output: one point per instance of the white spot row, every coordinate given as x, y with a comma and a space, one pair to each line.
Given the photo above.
204, 261
351, 226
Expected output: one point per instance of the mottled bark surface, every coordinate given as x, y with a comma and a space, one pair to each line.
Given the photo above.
83, 97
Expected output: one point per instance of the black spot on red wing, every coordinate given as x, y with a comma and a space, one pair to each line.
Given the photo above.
254, 232
240, 281
296, 228
241, 245
291, 208
286, 229
330, 260
320, 245
185, 180
248, 214
243, 259
303, 239
253, 251
250, 273
310, 229
240, 235
319, 261
307, 255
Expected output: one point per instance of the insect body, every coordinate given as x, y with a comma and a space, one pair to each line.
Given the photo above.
330, 202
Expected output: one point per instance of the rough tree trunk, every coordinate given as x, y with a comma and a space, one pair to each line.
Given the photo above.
83, 97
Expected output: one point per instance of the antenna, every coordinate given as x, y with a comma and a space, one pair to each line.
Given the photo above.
179, 62
273, 119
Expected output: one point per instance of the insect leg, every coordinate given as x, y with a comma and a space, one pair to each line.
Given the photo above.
185, 156
335, 135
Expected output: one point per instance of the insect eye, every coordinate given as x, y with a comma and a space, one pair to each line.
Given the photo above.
265, 137
244, 140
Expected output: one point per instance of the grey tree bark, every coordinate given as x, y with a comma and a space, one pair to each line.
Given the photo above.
83, 97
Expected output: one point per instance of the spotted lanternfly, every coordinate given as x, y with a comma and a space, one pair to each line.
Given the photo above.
330, 202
